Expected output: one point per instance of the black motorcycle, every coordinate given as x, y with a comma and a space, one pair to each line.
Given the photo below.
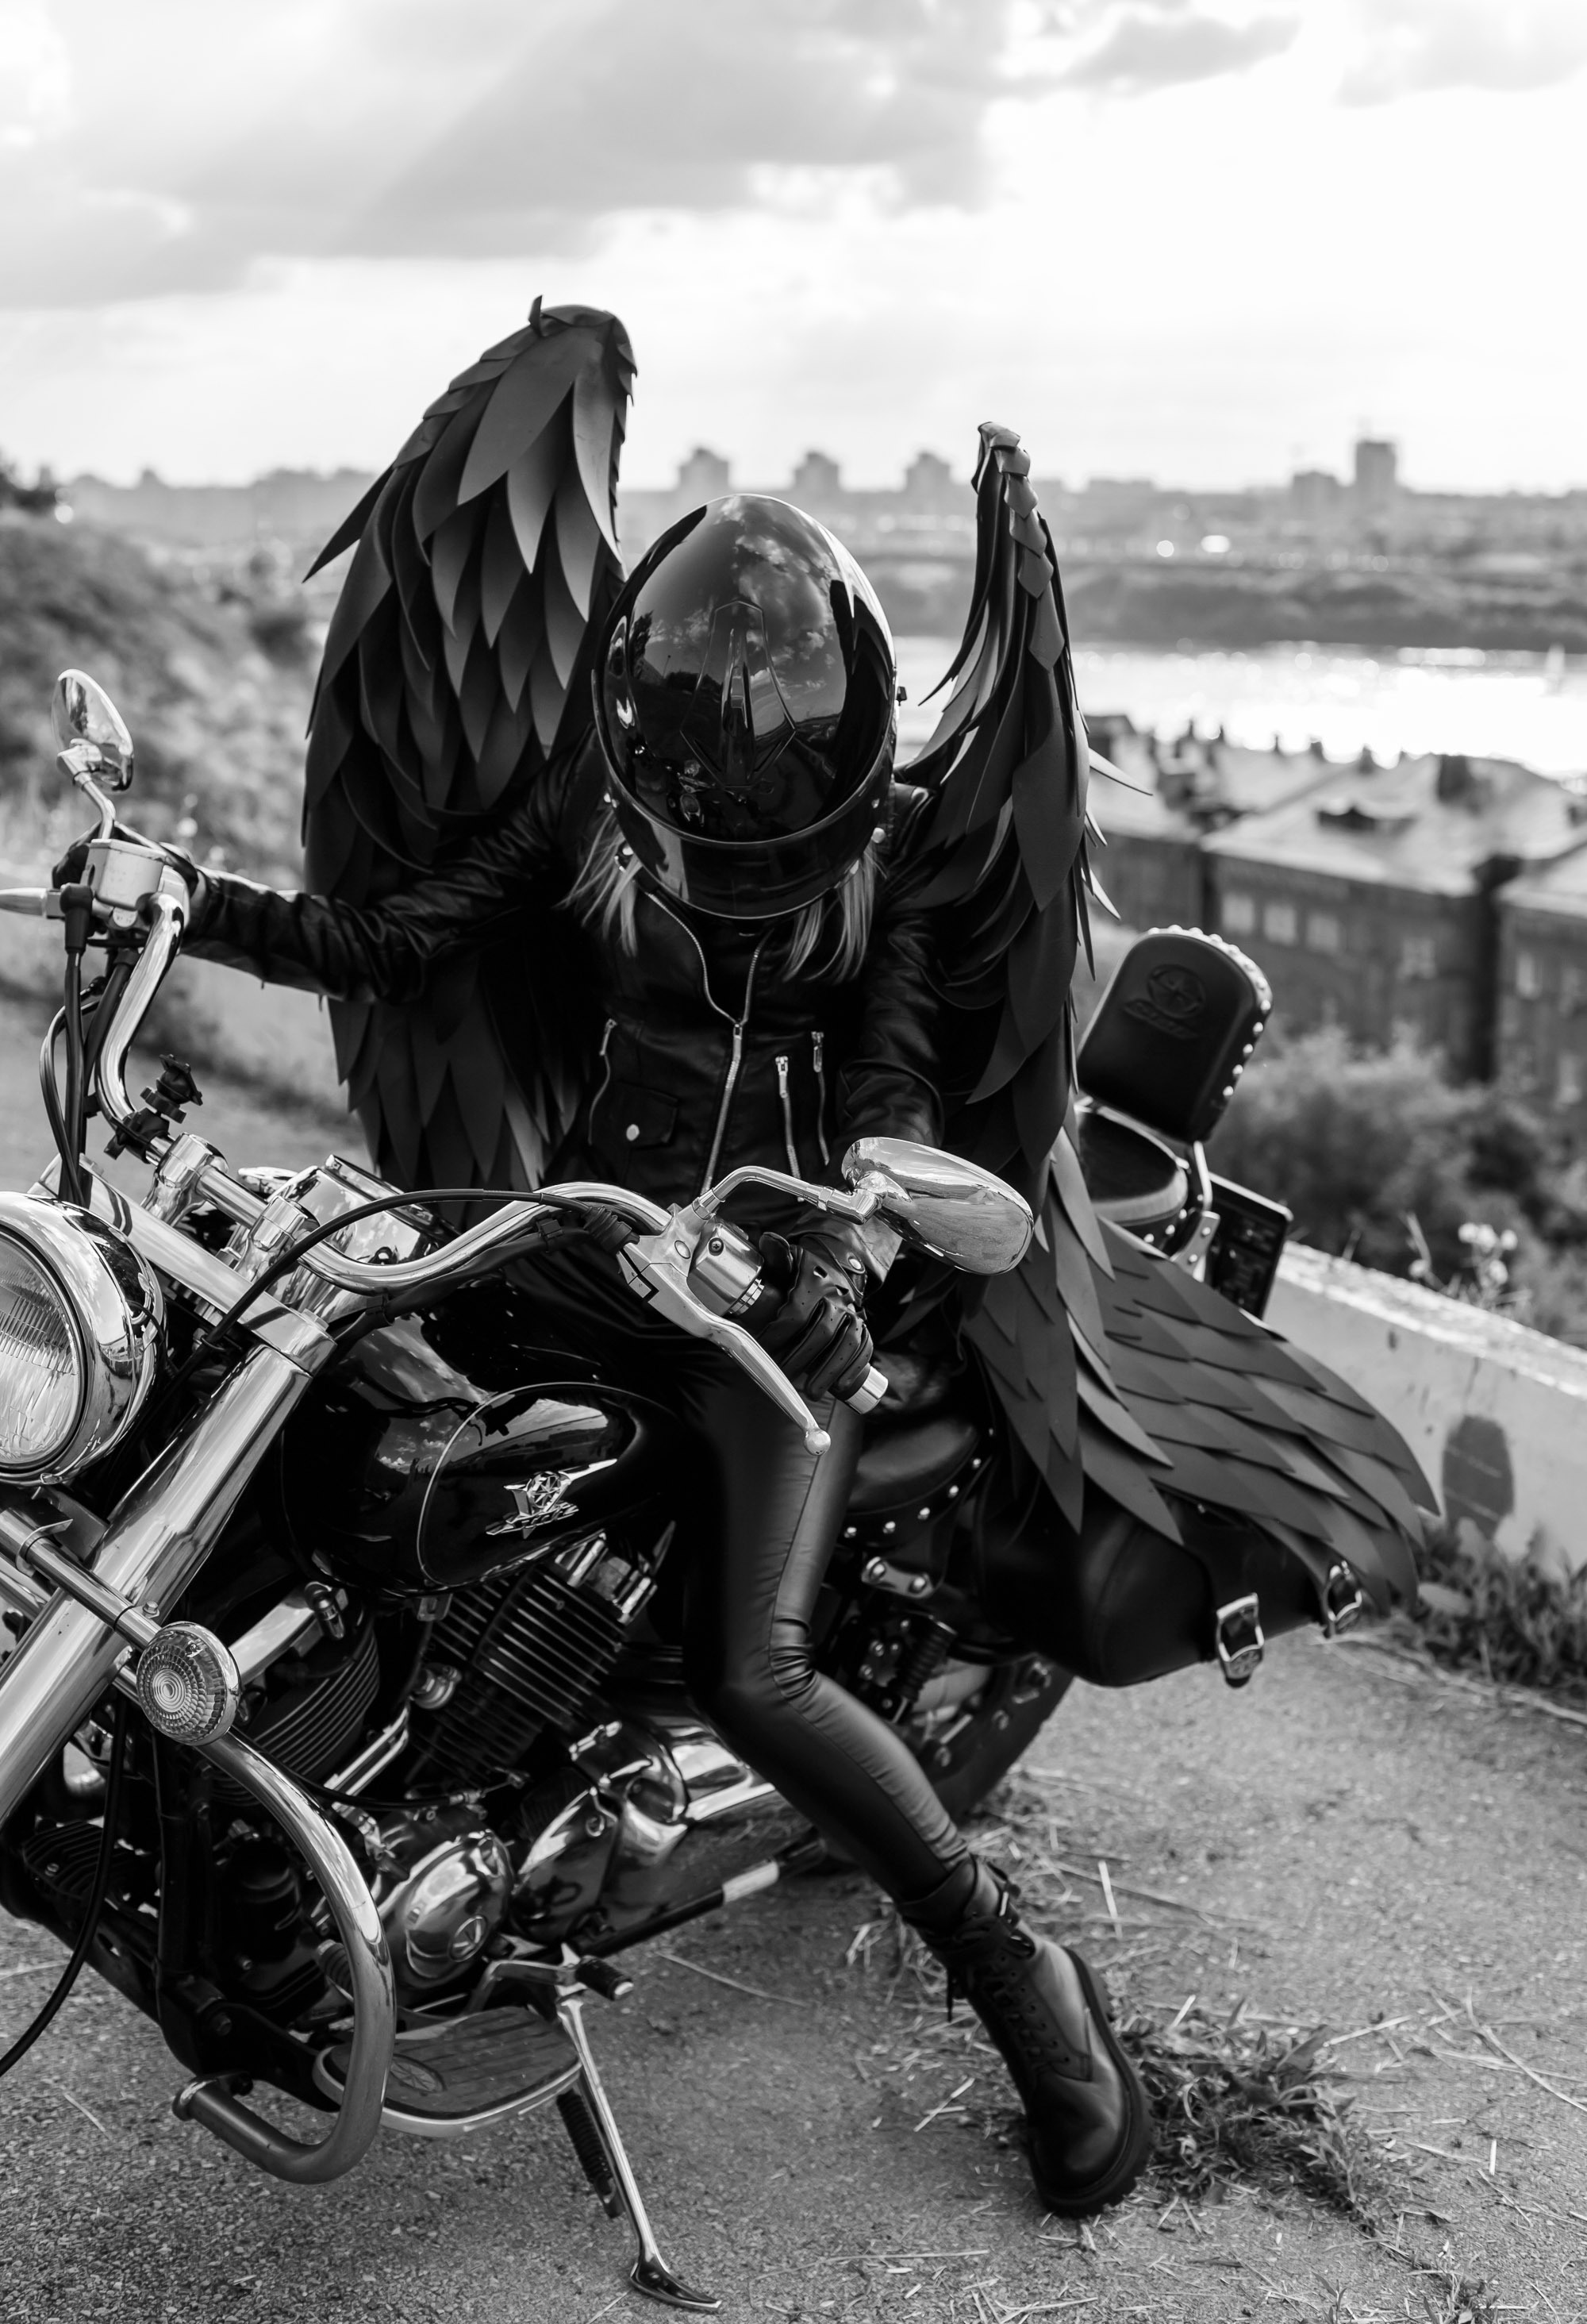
342, 1727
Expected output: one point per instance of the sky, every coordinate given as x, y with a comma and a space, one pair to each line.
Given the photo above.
1203, 240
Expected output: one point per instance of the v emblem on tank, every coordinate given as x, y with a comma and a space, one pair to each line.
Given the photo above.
539, 1503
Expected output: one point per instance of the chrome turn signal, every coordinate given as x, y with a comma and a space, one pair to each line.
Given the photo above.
188, 1684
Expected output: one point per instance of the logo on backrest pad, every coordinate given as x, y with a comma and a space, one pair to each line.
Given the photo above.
540, 1502
1174, 1002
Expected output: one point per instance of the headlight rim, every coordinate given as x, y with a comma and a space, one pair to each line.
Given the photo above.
116, 1331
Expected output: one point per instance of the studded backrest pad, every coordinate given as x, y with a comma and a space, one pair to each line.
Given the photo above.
1173, 1032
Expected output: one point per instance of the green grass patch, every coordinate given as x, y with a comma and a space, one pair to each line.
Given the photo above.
1513, 1621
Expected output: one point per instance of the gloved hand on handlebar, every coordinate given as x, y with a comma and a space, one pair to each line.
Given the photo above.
73, 865
817, 1332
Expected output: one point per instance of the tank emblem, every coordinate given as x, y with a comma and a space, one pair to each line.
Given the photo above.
539, 1503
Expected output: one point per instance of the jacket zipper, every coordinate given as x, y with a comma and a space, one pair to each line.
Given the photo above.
817, 1042
605, 1073
735, 1061
782, 1064
737, 1023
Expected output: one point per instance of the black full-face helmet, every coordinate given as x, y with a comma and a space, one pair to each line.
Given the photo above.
745, 704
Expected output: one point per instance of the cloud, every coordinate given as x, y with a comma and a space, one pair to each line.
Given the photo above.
1409, 46
400, 129
1167, 48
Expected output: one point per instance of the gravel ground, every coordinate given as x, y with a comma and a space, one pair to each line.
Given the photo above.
1353, 1841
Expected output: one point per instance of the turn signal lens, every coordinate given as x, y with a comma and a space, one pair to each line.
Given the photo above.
40, 1363
188, 1684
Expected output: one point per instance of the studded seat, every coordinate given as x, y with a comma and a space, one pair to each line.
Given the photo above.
911, 1464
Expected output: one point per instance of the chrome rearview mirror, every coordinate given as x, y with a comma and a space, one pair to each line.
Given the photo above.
95, 745
952, 1209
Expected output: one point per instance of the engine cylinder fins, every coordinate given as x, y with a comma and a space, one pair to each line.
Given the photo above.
532, 1651
60, 1861
308, 1724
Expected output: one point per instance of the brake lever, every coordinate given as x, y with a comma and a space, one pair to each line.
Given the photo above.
656, 1269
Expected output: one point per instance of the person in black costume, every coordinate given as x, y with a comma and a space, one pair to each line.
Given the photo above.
720, 846
611, 877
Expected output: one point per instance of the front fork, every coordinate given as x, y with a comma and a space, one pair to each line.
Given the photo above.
152, 1547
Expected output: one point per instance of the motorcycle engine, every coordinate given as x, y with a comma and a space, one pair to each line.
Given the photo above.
520, 1653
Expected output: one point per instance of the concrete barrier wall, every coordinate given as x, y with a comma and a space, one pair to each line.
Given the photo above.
1497, 1414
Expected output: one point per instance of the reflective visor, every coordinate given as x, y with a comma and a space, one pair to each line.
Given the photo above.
756, 879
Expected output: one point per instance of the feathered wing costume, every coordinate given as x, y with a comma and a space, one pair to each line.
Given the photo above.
1112, 1365
457, 665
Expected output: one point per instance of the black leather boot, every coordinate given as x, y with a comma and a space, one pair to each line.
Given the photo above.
1085, 2109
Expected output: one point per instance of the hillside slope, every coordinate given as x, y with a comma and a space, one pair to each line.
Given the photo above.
213, 681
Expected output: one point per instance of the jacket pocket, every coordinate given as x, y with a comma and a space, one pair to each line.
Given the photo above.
627, 1113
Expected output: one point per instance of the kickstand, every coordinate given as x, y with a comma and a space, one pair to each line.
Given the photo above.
608, 2168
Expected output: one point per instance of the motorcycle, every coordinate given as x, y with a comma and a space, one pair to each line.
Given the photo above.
342, 1727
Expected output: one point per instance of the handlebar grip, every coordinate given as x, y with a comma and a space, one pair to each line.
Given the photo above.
869, 1393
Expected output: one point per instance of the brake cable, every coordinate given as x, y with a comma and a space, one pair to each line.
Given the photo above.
587, 1217
96, 1904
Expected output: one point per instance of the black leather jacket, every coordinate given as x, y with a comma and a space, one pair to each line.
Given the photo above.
707, 1059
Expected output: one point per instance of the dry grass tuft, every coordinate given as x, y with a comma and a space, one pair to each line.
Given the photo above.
1256, 2106
1453, 2299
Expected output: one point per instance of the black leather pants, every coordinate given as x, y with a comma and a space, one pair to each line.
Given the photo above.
762, 1516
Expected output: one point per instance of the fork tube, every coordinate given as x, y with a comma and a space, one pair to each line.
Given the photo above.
152, 1546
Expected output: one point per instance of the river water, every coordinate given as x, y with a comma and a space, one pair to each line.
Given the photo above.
1510, 705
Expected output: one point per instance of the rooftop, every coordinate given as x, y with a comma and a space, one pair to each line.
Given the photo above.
1559, 889
1430, 822
1192, 786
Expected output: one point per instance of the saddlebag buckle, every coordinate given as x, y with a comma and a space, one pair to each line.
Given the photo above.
1237, 1637
1345, 1600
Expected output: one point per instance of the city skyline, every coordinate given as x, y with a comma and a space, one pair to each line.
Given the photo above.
1205, 238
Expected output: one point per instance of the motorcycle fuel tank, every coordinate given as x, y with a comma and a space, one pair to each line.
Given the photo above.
408, 1474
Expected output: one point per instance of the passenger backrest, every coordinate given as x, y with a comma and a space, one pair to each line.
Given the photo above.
1174, 1032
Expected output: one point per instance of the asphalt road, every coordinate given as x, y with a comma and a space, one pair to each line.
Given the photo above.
1349, 1842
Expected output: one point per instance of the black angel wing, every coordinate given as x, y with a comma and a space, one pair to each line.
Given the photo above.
1114, 1367
1001, 849
454, 669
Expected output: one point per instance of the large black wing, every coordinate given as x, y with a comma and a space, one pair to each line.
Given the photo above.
455, 670
1114, 1367
1000, 850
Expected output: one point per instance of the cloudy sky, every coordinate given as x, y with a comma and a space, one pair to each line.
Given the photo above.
1201, 239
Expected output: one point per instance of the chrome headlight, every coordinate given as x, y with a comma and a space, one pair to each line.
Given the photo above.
79, 1338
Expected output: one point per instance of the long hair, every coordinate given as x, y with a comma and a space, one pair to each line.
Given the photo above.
827, 939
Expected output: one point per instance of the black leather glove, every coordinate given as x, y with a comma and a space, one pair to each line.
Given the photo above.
73, 865
818, 1332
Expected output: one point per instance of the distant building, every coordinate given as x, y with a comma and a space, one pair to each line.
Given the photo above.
1543, 985
930, 486
1150, 866
817, 481
288, 504
704, 475
1370, 899
1376, 485
1316, 499
1154, 866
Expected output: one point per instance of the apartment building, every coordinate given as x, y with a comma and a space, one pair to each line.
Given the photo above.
1543, 986
1372, 900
